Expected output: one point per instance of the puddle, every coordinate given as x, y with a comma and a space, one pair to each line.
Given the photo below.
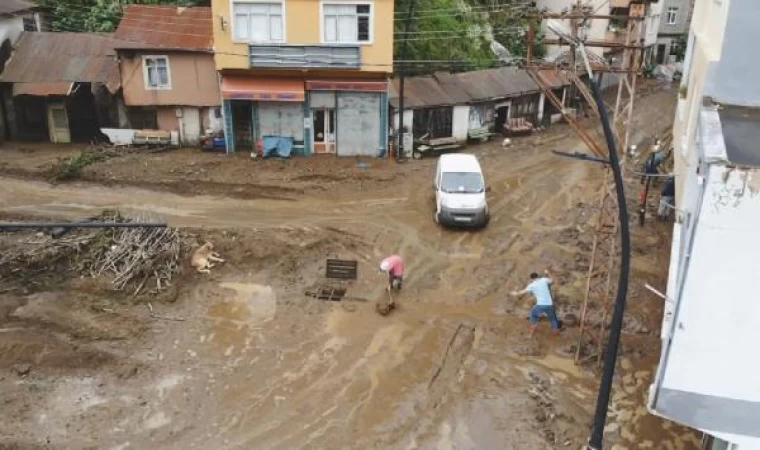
243, 307
252, 304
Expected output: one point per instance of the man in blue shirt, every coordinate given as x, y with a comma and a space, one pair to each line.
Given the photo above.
540, 289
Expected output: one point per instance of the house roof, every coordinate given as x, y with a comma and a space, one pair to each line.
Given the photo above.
50, 57
166, 27
445, 89
14, 6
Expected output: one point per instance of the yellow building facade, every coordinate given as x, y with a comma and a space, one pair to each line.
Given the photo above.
305, 76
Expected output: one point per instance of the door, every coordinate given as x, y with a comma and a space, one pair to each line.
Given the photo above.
323, 130
358, 125
191, 126
661, 53
58, 123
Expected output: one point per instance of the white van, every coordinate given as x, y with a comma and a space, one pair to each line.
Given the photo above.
460, 191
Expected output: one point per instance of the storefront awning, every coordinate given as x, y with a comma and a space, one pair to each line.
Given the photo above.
42, 89
356, 86
262, 89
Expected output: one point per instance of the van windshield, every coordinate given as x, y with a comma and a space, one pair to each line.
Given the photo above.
464, 182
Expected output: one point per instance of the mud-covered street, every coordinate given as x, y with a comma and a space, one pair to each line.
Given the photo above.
242, 359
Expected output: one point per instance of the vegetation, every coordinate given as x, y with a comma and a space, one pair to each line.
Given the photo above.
71, 168
98, 15
679, 47
457, 34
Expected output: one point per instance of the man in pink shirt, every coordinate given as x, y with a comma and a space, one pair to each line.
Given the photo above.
394, 267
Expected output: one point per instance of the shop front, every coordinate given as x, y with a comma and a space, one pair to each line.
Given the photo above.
342, 118
348, 118
263, 110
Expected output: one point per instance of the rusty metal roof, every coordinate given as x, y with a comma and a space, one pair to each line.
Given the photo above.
14, 6
48, 57
427, 91
42, 89
444, 89
166, 27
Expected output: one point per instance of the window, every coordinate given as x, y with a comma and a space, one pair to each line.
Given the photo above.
672, 16
346, 23
157, 74
258, 22
142, 118
30, 24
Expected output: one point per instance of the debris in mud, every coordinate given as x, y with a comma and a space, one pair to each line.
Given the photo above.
129, 257
22, 370
385, 305
456, 352
328, 293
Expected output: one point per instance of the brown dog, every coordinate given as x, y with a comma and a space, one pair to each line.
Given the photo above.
204, 258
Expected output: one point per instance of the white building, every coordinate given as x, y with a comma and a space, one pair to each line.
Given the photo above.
16, 16
708, 378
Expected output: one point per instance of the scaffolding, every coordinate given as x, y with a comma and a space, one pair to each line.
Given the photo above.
603, 262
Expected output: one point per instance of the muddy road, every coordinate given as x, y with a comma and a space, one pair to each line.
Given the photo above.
242, 359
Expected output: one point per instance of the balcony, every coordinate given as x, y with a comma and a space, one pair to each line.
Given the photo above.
305, 56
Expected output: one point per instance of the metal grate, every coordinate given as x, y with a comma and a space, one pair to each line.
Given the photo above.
342, 269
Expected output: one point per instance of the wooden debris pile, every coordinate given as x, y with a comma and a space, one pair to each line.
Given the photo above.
137, 259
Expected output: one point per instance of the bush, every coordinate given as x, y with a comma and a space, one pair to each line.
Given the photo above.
71, 168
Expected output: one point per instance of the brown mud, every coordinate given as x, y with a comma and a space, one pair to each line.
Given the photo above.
242, 359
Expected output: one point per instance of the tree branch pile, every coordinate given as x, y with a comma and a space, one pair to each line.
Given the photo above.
133, 259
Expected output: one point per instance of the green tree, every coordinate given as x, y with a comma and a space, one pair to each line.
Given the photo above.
457, 32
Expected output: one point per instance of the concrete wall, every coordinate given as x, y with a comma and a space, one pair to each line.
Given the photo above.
193, 80
735, 78
11, 28
682, 23
705, 45
597, 30
302, 25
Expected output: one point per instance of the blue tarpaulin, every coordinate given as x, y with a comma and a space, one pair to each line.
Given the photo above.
277, 146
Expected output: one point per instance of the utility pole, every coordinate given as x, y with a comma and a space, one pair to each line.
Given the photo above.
611, 245
407, 28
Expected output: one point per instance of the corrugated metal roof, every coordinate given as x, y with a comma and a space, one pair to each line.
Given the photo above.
426, 91
443, 89
42, 89
43, 57
166, 27
14, 6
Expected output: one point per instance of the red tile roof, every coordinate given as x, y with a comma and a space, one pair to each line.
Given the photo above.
166, 27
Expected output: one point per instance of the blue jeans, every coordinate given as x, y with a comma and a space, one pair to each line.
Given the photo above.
539, 310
